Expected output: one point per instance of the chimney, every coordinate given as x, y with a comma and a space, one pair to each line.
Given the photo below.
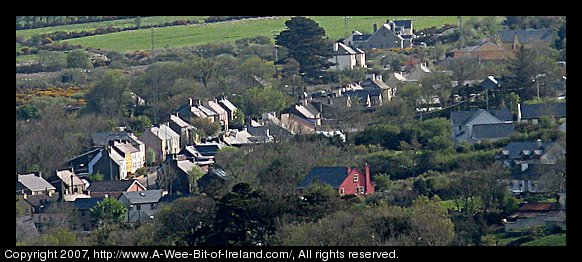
368, 187
106, 196
198, 102
190, 101
349, 170
375, 27
267, 133
538, 143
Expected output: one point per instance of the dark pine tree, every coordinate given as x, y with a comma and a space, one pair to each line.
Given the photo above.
306, 42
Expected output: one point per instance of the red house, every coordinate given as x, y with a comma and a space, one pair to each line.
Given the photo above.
347, 180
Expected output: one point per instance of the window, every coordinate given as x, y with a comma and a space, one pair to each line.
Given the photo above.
355, 177
361, 189
341, 191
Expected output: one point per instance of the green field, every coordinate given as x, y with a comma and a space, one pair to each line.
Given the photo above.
94, 25
551, 240
178, 36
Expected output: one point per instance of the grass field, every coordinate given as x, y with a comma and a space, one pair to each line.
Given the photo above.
94, 25
551, 240
178, 36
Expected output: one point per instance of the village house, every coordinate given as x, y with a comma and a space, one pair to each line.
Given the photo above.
346, 57
346, 180
113, 188
188, 134
33, 184
162, 139
531, 152
104, 139
140, 204
532, 113
221, 114
477, 125
392, 34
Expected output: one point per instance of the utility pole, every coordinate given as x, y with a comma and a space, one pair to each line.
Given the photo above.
346, 23
276, 51
152, 37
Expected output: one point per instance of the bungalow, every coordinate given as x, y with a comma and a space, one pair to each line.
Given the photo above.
531, 178
33, 184
532, 113
140, 204
476, 125
162, 139
535, 214
346, 180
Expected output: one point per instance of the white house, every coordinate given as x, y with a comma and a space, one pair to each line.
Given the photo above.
347, 57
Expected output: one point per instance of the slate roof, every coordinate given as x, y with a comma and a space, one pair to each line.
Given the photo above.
86, 203
515, 149
360, 37
164, 132
374, 83
126, 148
463, 117
197, 112
208, 149
539, 110
503, 114
102, 138
143, 197
490, 83
343, 49
404, 23
185, 165
491, 131
227, 104
333, 176
110, 185
65, 176
214, 106
207, 111
363, 94
34, 182
179, 121
274, 130
527, 36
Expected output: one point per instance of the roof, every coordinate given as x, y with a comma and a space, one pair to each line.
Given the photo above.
360, 37
515, 149
39, 200
179, 121
214, 106
363, 94
86, 203
539, 110
111, 185
126, 148
542, 206
333, 176
185, 165
103, 138
274, 130
164, 132
374, 82
403, 23
197, 112
208, 149
307, 111
227, 104
67, 175
143, 197
34, 182
526, 36
341, 49
190, 151
503, 114
491, 131
466, 116
490, 83
207, 111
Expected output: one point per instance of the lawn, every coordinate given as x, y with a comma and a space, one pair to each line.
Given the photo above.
551, 240
188, 35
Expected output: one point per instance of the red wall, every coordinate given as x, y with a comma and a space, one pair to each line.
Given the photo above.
350, 187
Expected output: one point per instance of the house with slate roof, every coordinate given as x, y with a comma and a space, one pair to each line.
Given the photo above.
346, 180
392, 34
162, 139
529, 38
346, 57
488, 51
532, 113
68, 184
477, 125
33, 184
213, 180
140, 204
188, 135
113, 188
531, 152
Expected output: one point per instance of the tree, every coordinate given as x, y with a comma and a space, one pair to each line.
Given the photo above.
109, 211
78, 58
205, 126
50, 60
140, 123
108, 96
259, 100
305, 41
430, 222
252, 68
193, 175
187, 221
150, 156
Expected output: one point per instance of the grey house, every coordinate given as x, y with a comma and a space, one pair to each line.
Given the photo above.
531, 152
140, 204
533, 113
477, 125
